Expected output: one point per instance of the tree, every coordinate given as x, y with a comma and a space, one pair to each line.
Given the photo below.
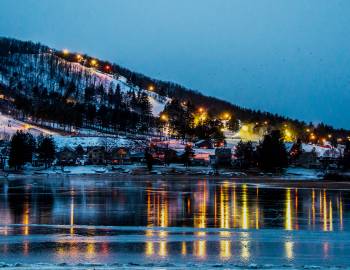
346, 156
187, 155
272, 153
245, 154
296, 150
47, 150
22, 147
233, 124
180, 117
79, 150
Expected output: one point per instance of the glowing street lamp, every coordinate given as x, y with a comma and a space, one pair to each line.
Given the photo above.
93, 62
201, 109
164, 117
227, 116
151, 88
65, 52
79, 57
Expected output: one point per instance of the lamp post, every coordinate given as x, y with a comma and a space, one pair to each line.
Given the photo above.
164, 118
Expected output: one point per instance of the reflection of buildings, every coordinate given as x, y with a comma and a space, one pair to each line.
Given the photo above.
157, 216
201, 198
200, 204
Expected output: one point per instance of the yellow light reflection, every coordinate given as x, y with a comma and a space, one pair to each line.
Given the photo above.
90, 250
234, 206
149, 248
163, 251
157, 214
288, 247
225, 249
200, 249
330, 216
72, 216
225, 244
245, 253
313, 208
200, 220
26, 219
288, 212
245, 210
325, 227
183, 248
341, 213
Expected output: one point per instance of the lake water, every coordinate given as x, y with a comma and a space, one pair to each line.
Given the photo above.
193, 223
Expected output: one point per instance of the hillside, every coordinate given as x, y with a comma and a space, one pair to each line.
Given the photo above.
76, 90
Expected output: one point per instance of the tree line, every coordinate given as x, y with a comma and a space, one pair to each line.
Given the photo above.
23, 145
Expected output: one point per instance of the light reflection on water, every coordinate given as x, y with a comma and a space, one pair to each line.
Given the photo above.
159, 205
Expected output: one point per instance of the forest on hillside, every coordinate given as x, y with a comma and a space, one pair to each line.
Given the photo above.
72, 89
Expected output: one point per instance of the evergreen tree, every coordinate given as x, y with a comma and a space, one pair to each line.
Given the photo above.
188, 155
272, 153
346, 156
22, 147
79, 150
233, 124
245, 154
47, 150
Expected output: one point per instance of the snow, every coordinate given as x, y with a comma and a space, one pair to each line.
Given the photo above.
29, 66
322, 151
9, 126
87, 141
302, 173
76, 170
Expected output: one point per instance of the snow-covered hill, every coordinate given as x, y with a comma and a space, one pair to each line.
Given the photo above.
48, 71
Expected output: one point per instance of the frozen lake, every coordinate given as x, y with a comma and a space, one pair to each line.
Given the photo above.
170, 223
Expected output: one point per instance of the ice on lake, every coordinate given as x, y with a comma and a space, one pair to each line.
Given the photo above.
105, 222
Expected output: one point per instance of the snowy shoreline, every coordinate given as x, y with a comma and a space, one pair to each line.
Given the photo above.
294, 177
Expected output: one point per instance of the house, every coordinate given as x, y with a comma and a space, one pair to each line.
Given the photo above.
204, 144
66, 157
223, 156
96, 155
119, 155
137, 157
307, 160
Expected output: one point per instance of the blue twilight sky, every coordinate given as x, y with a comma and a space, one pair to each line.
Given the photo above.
289, 57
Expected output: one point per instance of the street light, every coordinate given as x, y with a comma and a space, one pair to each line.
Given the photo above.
151, 88
227, 116
93, 62
65, 51
164, 117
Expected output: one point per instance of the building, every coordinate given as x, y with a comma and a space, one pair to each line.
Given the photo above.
66, 157
96, 155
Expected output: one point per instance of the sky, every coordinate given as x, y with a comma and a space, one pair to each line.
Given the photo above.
290, 57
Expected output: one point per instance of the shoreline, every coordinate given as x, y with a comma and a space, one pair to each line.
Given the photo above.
266, 181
